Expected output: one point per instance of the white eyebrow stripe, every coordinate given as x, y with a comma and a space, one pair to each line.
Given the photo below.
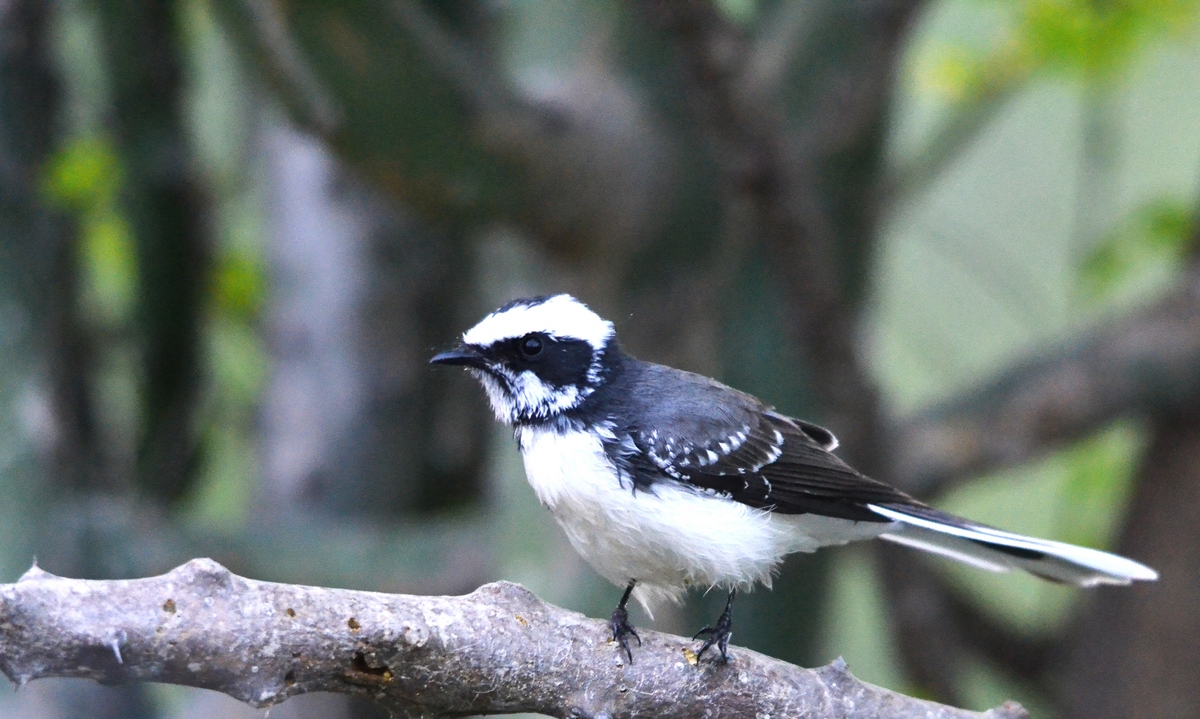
561, 316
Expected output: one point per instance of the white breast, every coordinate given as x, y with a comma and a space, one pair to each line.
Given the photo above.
670, 537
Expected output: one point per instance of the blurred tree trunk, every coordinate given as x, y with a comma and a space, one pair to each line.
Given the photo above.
353, 421
40, 267
41, 336
168, 210
34, 240
1137, 651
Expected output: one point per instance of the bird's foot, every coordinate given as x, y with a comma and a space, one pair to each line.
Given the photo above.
622, 631
717, 636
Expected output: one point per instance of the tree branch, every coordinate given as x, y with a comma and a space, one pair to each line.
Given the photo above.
581, 164
786, 38
1146, 361
497, 650
311, 104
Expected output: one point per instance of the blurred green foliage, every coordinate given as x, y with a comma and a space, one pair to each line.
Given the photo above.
86, 176
1088, 39
1148, 246
1079, 39
240, 284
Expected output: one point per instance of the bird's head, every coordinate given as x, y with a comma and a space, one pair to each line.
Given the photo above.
536, 358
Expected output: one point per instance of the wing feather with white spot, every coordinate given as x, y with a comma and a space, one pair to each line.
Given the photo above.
728, 443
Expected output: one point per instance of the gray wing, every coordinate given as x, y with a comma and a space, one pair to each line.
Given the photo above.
717, 439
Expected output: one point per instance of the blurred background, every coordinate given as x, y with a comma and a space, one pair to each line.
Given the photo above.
959, 233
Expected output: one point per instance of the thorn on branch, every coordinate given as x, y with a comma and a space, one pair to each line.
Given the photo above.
35, 573
204, 571
119, 637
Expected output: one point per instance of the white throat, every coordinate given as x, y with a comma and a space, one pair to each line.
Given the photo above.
526, 397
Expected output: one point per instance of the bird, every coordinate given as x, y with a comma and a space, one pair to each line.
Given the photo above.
663, 479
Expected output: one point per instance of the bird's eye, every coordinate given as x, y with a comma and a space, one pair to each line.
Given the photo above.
531, 346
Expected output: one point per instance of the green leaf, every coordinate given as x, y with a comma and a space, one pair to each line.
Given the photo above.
84, 174
1087, 40
240, 285
1099, 477
1152, 239
109, 265
1093, 38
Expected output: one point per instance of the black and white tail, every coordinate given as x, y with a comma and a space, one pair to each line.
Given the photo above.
999, 551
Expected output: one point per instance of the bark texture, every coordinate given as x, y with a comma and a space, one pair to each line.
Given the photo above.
497, 650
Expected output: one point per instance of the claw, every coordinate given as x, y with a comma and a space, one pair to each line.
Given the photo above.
619, 623
719, 634
622, 631
719, 639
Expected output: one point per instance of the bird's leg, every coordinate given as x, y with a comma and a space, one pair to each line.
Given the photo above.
621, 631
720, 633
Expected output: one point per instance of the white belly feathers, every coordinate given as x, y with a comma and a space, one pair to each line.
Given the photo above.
670, 537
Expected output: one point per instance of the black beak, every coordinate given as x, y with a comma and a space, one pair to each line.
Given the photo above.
464, 355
